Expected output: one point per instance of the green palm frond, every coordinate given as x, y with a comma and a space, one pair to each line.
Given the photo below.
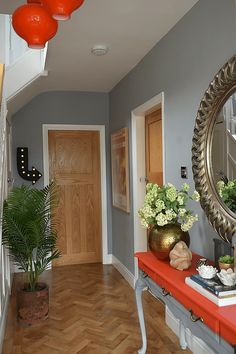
29, 229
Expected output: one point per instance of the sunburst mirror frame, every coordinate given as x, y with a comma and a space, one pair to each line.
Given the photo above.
220, 89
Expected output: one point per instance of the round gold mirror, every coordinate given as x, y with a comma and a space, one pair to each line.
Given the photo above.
214, 151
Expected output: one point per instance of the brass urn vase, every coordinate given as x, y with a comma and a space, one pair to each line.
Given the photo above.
162, 239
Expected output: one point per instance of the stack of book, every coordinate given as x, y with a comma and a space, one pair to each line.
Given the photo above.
213, 289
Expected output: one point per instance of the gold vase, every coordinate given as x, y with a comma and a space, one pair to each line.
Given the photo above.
162, 239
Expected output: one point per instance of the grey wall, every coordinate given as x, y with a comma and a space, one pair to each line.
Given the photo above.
58, 108
182, 64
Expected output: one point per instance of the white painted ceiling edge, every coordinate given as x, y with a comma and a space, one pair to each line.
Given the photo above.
129, 28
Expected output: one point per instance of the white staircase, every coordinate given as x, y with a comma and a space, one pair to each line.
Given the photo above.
23, 72
22, 65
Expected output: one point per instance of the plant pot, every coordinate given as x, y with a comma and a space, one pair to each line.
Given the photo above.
226, 266
33, 306
162, 239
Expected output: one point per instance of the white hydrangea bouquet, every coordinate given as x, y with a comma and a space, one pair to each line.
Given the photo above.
166, 205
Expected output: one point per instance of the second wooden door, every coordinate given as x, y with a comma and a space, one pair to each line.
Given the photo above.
153, 132
74, 164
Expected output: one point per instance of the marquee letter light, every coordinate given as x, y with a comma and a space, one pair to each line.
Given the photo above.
22, 166
34, 24
61, 9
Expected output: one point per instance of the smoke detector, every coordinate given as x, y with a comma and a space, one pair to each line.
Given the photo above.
99, 50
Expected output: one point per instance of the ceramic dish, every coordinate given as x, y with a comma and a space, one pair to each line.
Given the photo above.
227, 277
206, 271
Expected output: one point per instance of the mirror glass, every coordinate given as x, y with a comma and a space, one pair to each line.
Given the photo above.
223, 153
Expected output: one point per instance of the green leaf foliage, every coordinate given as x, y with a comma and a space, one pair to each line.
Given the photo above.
226, 259
29, 229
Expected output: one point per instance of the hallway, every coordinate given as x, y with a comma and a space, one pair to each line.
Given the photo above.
92, 311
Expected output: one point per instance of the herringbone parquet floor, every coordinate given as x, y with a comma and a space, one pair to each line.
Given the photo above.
92, 311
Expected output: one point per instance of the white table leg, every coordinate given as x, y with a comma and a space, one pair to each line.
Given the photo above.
182, 336
139, 286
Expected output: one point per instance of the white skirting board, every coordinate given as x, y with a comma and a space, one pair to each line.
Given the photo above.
107, 259
123, 271
3, 320
195, 344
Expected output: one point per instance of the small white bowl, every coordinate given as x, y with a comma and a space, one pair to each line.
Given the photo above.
206, 271
227, 277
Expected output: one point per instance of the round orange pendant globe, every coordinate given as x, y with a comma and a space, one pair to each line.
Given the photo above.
34, 24
61, 9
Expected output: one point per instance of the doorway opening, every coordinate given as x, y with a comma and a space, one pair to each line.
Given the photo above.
139, 165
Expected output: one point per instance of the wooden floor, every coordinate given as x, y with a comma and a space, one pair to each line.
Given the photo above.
92, 311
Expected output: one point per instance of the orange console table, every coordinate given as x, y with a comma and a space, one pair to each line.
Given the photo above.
214, 325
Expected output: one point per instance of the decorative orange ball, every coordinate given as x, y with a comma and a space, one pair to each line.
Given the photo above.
34, 24
61, 9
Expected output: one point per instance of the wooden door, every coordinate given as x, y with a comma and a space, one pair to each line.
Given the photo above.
153, 134
74, 164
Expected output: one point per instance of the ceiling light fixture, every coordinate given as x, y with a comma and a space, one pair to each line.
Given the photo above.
34, 24
99, 50
61, 10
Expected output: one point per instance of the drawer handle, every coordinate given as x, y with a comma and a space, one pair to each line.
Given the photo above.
194, 318
144, 274
165, 292
154, 295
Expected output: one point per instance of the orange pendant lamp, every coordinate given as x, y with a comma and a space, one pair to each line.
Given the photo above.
34, 24
61, 9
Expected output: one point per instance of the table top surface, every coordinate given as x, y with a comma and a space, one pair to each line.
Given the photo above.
220, 319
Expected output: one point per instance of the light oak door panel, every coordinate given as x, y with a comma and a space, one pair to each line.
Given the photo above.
75, 166
61, 242
153, 133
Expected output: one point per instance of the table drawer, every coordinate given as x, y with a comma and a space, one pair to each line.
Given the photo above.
155, 277
197, 309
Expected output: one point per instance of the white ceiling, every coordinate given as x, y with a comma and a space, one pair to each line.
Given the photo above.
130, 28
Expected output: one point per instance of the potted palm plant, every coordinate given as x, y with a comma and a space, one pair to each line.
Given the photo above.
30, 235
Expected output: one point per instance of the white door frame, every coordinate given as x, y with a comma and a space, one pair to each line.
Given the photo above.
101, 128
139, 167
